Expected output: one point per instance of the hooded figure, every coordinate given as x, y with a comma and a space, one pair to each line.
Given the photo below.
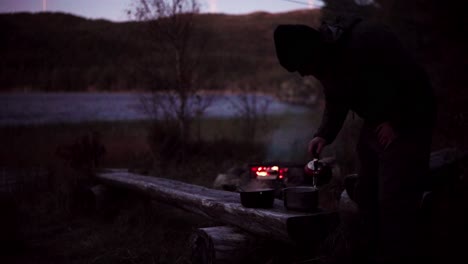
364, 68
295, 45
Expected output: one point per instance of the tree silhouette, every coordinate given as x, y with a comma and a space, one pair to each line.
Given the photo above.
172, 64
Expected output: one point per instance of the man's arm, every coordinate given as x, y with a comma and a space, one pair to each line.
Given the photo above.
332, 120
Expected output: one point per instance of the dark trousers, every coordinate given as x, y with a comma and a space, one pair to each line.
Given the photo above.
389, 193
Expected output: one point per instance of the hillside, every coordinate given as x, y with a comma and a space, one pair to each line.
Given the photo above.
62, 52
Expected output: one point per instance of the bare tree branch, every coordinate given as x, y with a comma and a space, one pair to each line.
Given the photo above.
177, 52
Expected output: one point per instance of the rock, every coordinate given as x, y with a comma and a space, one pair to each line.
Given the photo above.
230, 180
226, 182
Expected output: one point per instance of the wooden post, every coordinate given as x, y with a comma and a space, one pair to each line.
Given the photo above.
220, 244
101, 196
103, 200
225, 244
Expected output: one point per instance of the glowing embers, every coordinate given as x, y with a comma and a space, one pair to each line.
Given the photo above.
268, 172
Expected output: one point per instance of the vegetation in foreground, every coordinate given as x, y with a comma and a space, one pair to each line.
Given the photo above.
50, 221
53, 229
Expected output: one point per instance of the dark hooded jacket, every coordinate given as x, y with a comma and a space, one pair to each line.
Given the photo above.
373, 75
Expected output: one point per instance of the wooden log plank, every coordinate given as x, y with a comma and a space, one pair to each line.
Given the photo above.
275, 223
223, 244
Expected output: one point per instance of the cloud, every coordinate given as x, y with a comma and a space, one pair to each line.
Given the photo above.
213, 6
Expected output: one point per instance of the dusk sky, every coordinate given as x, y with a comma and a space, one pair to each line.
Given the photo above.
115, 9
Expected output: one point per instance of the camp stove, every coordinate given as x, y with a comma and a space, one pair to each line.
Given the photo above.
312, 173
273, 172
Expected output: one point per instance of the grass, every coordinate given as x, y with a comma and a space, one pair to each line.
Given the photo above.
49, 227
36, 145
126, 142
45, 225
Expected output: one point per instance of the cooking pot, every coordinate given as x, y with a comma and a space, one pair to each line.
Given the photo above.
257, 198
301, 198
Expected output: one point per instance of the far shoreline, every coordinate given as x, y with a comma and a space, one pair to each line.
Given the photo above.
136, 91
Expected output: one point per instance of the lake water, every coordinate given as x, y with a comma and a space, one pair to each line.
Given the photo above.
39, 108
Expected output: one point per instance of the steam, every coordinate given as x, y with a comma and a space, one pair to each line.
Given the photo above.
289, 141
255, 185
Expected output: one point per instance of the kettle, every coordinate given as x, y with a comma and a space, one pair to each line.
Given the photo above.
317, 173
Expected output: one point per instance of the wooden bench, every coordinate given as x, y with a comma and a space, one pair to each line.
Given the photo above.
246, 229
244, 225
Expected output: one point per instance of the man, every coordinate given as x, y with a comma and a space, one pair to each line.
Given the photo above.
364, 68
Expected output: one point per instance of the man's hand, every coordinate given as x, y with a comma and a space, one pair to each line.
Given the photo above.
316, 146
386, 134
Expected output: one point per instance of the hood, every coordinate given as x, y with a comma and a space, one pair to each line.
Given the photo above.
333, 31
